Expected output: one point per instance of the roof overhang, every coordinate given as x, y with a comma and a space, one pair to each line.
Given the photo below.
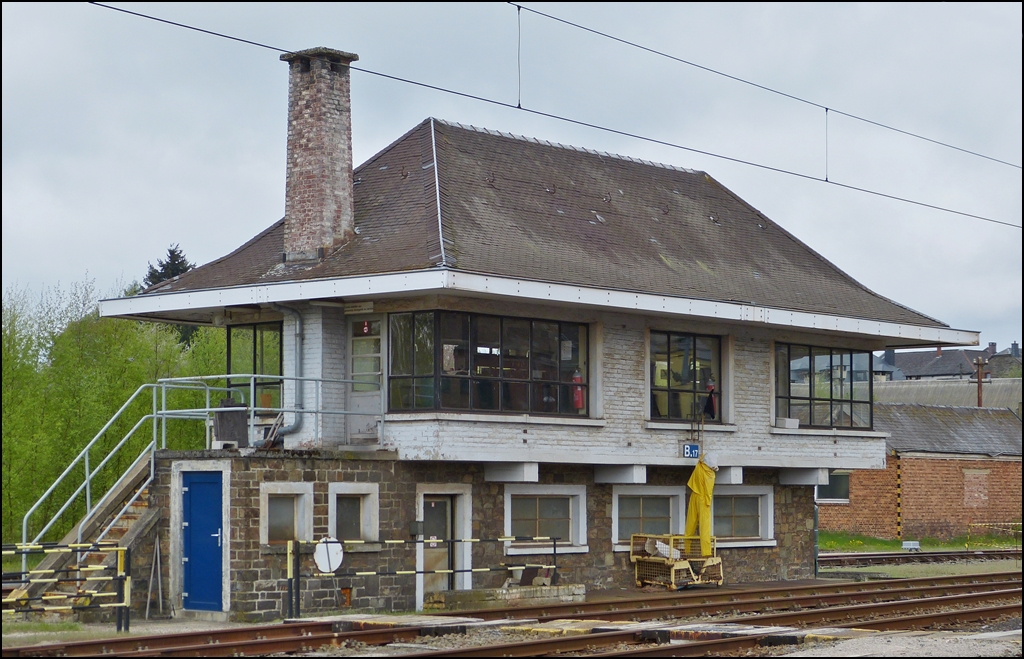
203, 306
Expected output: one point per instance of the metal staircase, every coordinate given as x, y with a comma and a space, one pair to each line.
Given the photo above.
116, 513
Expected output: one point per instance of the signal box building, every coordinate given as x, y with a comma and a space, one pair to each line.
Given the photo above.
523, 337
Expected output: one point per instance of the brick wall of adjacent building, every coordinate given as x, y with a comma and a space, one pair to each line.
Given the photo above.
871, 510
941, 497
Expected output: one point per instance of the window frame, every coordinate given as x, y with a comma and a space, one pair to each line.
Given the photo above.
471, 376
693, 387
766, 513
577, 495
369, 499
839, 500
303, 493
272, 385
813, 399
677, 508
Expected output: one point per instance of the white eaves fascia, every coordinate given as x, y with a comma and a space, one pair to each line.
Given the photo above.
446, 280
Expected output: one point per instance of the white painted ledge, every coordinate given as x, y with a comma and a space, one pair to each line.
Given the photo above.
494, 418
688, 427
829, 432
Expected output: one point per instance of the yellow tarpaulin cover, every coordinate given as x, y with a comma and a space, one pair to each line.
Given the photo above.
698, 513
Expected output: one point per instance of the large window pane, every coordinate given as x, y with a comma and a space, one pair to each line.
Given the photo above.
486, 347
515, 345
401, 340
544, 351
349, 515
242, 348
423, 344
486, 363
816, 385
455, 393
281, 517
681, 361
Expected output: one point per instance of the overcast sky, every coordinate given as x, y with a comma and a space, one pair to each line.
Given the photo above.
122, 136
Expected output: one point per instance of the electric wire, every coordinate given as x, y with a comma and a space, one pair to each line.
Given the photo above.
578, 122
763, 87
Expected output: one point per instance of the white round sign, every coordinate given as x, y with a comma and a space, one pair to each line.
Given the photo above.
328, 555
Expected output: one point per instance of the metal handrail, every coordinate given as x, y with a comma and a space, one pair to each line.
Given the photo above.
161, 413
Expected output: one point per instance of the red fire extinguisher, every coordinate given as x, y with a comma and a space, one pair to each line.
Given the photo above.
578, 399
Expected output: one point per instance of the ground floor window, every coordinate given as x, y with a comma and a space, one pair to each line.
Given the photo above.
744, 515
552, 511
645, 509
286, 512
353, 511
837, 490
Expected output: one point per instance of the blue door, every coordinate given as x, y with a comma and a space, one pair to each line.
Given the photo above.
202, 537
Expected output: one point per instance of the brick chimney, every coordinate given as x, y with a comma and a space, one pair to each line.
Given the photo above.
991, 348
318, 208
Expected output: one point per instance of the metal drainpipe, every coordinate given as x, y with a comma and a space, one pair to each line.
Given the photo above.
299, 385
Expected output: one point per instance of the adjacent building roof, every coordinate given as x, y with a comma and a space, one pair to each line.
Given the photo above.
941, 429
496, 204
998, 392
934, 364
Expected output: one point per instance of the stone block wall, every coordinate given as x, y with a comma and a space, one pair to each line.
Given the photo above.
258, 573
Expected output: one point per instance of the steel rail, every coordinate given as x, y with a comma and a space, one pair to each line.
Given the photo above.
707, 596
899, 558
311, 634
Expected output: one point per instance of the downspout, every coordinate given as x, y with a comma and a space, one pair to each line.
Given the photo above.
299, 384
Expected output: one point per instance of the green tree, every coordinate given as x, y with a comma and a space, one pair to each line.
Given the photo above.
168, 268
66, 371
175, 264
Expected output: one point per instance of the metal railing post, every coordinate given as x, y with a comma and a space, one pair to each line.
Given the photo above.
88, 491
163, 414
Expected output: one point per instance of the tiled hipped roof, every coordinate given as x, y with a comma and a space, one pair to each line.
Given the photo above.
521, 208
959, 430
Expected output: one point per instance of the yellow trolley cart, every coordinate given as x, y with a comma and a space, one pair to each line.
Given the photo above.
674, 561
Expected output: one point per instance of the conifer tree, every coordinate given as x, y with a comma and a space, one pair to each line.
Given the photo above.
175, 264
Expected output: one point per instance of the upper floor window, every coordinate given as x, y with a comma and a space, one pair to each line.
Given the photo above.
458, 361
685, 376
256, 350
823, 387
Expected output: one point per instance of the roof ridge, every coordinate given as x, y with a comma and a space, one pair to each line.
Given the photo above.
559, 145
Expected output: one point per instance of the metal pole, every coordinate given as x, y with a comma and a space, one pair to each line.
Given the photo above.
291, 599
127, 589
298, 580
980, 374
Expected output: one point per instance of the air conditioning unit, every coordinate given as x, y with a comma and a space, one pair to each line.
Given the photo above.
787, 423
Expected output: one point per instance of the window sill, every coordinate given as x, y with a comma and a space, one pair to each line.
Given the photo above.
535, 550
398, 417
729, 544
833, 502
362, 547
830, 432
686, 426
282, 549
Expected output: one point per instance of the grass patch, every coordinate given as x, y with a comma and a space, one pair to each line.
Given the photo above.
851, 542
12, 627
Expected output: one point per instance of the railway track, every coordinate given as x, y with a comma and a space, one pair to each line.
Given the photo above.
835, 559
884, 604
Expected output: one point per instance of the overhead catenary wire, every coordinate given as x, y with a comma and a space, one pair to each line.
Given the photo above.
585, 124
763, 87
